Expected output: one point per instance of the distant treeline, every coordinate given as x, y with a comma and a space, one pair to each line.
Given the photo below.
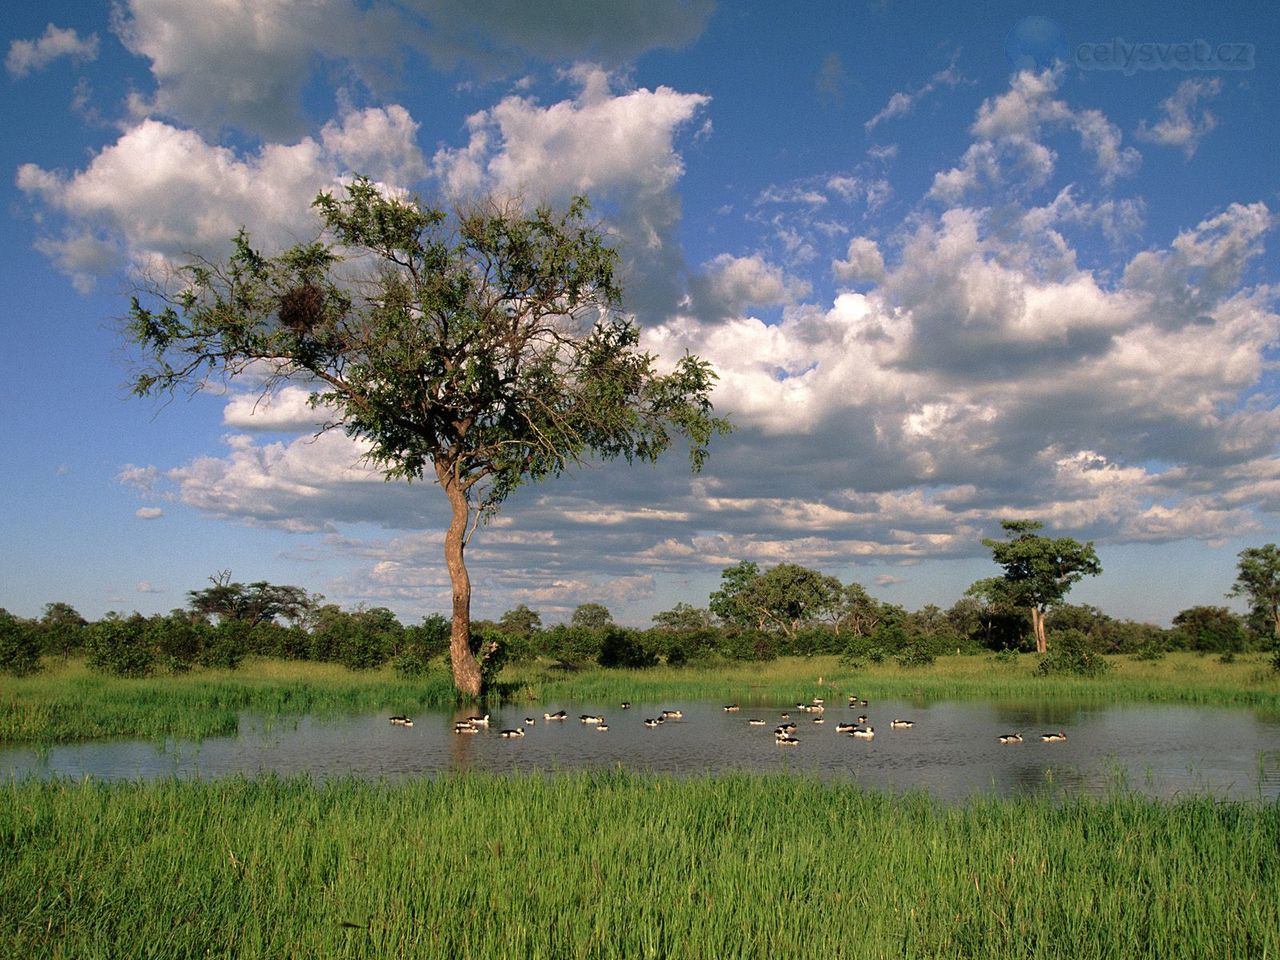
753, 616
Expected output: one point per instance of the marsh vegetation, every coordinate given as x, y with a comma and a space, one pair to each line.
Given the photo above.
69, 701
624, 865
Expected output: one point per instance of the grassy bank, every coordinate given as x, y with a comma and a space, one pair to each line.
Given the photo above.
624, 865
1177, 678
69, 702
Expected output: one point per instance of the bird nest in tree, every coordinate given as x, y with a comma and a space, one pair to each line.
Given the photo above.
302, 308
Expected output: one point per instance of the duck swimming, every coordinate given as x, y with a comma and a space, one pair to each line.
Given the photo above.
509, 734
901, 724
1011, 738
863, 733
558, 715
1058, 737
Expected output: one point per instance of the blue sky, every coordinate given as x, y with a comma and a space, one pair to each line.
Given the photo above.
953, 263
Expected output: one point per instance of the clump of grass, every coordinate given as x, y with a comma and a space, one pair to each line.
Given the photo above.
625, 865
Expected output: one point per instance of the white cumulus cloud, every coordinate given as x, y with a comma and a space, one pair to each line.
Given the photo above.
27, 56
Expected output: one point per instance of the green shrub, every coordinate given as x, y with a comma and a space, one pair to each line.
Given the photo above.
175, 639
430, 638
1154, 650
625, 648
19, 646
915, 655
62, 630
120, 647
225, 645
409, 666
1071, 652
488, 645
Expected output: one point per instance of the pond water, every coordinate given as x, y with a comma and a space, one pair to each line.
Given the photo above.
951, 751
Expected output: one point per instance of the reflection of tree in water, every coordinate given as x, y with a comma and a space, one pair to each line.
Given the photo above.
462, 746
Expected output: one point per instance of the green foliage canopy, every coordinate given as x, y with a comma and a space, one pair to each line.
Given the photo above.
484, 349
1039, 571
782, 599
1258, 581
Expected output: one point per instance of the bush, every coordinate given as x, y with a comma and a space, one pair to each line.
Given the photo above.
120, 647
428, 639
736, 644
225, 645
1071, 653
19, 646
360, 640
890, 638
62, 630
270, 639
624, 648
573, 643
409, 666
915, 655
174, 639
813, 640
678, 647
488, 646
874, 647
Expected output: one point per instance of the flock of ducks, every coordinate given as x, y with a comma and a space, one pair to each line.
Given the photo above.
783, 734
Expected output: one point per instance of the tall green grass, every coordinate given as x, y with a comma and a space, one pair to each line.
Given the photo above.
72, 702
1178, 678
624, 865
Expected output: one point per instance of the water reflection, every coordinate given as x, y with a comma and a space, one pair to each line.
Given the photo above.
952, 750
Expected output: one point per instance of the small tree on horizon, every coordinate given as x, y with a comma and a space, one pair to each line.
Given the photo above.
1039, 571
1258, 581
480, 349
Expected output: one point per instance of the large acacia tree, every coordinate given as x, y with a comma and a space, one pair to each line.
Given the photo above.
480, 348
1039, 571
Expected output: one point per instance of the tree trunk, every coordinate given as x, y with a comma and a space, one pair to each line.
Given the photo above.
1037, 626
466, 669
